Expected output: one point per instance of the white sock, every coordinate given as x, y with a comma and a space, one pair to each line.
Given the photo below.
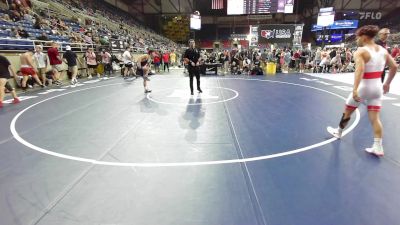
378, 142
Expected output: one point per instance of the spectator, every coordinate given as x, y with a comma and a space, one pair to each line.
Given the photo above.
61, 25
6, 18
14, 15
157, 61
383, 36
43, 14
27, 16
296, 57
43, 37
38, 22
257, 70
22, 32
104, 40
88, 38
303, 60
317, 58
71, 58
246, 65
281, 59
395, 51
264, 57
91, 62
55, 62
287, 59
14, 33
225, 58
41, 63
106, 61
336, 62
5, 70
332, 54
165, 59
50, 77
347, 60
127, 59
325, 62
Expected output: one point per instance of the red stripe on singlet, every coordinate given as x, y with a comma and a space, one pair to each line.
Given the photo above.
372, 75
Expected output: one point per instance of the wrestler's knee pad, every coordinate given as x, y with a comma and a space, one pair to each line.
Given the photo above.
343, 122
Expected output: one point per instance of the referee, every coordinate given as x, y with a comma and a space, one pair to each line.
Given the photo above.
191, 57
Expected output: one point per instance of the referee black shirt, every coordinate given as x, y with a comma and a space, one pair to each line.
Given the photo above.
70, 56
4, 64
193, 55
381, 43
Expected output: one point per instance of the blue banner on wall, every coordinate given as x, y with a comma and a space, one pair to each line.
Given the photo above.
337, 25
333, 38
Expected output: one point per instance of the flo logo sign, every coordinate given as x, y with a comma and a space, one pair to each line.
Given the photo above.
370, 15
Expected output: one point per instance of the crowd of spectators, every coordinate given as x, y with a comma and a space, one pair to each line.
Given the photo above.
80, 30
49, 25
128, 30
316, 60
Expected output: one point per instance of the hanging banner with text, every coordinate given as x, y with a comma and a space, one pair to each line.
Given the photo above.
276, 33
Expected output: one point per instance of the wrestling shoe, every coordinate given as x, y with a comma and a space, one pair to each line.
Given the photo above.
337, 133
376, 150
16, 101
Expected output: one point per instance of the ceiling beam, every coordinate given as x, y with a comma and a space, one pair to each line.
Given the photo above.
158, 10
345, 5
136, 9
390, 4
191, 5
364, 4
173, 5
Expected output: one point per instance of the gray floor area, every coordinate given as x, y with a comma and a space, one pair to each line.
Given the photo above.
113, 121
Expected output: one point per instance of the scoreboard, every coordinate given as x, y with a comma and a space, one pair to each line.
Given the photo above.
240, 7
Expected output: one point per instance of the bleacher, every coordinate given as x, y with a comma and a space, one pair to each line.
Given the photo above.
9, 43
64, 11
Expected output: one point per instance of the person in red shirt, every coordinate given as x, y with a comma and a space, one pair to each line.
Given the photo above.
157, 61
165, 58
55, 62
395, 51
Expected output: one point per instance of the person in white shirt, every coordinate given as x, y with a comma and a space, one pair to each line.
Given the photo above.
127, 59
246, 65
41, 62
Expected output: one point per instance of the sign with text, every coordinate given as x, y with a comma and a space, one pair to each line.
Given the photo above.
337, 25
370, 15
276, 33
